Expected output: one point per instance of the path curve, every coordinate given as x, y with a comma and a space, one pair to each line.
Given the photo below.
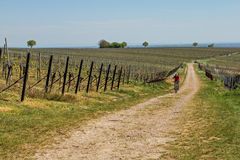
136, 133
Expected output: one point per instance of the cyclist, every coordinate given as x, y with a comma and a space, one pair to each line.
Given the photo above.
176, 82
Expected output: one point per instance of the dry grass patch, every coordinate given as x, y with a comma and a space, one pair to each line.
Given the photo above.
5, 109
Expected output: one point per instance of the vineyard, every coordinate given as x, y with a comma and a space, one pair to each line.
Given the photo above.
147, 58
57, 71
36, 73
226, 68
228, 63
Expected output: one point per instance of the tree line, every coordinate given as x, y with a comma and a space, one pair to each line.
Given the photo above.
195, 44
105, 44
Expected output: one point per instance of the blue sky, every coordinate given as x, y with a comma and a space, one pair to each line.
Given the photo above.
61, 23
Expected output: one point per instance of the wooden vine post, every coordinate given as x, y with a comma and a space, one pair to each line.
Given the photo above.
52, 81
39, 67
129, 73
69, 81
4, 53
6, 47
106, 79
113, 78
89, 77
119, 78
99, 77
9, 73
49, 73
25, 78
65, 76
59, 70
123, 76
9, 67
79, 77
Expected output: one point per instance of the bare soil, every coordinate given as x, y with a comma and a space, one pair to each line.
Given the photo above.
140, 132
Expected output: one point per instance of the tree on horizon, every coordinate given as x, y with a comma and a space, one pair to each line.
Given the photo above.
195, 44
145, 44
124, 44
211, 45
31, 43
104, 44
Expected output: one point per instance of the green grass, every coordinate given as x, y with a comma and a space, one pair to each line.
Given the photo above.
33, 124
211, 127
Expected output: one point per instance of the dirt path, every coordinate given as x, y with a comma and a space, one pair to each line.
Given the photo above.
136, 133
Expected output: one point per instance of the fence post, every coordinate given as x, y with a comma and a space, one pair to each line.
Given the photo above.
129, 73
99, 77
59, 70
69, 81
39, 66
3, 60
124, 74
9, 73
49, 73
20, 70
52, 81
25, 78
119, 78
106, 80
8, 57
113, 78
3, 70
79, 77
9, 67
4, 53
65, 76
89, 77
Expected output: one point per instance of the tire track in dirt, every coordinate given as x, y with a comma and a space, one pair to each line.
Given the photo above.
140, 132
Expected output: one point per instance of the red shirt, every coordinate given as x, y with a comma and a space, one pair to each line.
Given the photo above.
176, 78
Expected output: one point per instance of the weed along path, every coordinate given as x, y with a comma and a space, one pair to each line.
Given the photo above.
140, 132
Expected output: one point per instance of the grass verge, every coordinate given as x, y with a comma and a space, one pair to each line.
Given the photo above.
26, 127
210, 127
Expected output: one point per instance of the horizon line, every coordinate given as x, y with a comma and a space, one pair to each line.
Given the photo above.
130, 45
